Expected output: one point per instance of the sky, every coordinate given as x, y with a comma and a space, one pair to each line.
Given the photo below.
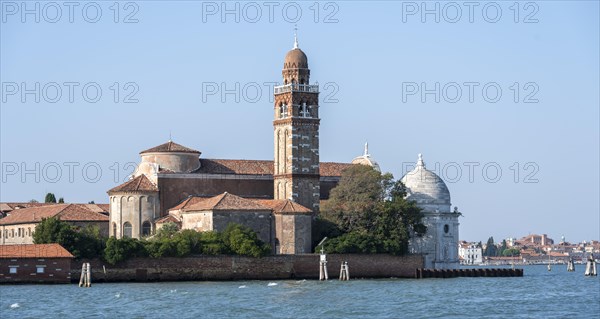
502, 99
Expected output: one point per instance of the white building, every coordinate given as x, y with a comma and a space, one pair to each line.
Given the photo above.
440, 244
470, 254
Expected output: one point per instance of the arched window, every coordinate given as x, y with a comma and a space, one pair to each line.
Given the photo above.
29, 231
114, 232
127, 230
446, 228
146, 228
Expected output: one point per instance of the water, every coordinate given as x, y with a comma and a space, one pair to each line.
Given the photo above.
539, 294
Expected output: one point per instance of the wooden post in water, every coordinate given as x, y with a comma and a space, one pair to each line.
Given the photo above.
85, 280
323, 275
344, 273
590, 267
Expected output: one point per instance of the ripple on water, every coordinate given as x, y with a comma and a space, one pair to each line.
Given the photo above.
537, 295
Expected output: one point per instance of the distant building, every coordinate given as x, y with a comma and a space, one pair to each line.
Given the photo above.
45, 263
440, 243
470, 253
18, 227
536, 240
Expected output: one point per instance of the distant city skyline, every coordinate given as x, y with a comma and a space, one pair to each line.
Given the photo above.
82, 94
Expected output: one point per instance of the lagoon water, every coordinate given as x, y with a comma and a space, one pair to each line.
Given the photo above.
539, 294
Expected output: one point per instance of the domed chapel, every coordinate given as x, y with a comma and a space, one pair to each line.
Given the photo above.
279, 198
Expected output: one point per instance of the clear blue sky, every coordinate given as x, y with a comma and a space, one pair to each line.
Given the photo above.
371, 53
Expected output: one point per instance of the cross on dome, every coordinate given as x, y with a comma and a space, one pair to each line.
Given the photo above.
296, 37
420, 162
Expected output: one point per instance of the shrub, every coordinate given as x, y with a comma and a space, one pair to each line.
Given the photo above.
118, 250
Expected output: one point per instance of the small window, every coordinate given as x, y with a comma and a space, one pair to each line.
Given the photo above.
40, 269
12, 269
446, 228
127, 231
146, 228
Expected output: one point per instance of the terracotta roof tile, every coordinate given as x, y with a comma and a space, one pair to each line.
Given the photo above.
259, 167
65, 212
170, 146
284, 206
34, 251
98, 208
167, 219
333, 169
191, 200
17, 205
226, 201
225, 166
139, 184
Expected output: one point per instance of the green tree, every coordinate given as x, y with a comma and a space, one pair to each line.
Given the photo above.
52, 230
511, 252
367, 213
167, 230
91, 202
90, 244
50, 198
61, 200
85, 242
212, 243
502, 248
490, 248
242, 240
118, 250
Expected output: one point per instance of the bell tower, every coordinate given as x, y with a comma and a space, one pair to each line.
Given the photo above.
296, 133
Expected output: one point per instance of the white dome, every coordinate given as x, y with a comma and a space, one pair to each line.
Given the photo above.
366, 159
427, 189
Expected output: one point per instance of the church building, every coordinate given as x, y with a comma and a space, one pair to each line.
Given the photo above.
279, 198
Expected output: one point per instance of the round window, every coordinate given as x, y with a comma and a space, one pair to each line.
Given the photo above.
446, 228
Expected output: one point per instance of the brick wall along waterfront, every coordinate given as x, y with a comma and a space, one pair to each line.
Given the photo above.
247, 268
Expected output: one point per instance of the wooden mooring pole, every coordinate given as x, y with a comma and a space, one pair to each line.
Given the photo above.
344, 271
85, 280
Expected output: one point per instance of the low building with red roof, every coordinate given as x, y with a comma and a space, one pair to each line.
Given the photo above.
18, 227
42, 263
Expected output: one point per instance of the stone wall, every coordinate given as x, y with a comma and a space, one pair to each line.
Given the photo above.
247, 268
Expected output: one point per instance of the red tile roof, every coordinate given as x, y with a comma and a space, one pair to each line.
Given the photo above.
65, 212
170, 146
34, 251
284, 206
333, 169
13, 206
167, 219
191, 200
226, 201
226, 166
259, 167
139, 184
